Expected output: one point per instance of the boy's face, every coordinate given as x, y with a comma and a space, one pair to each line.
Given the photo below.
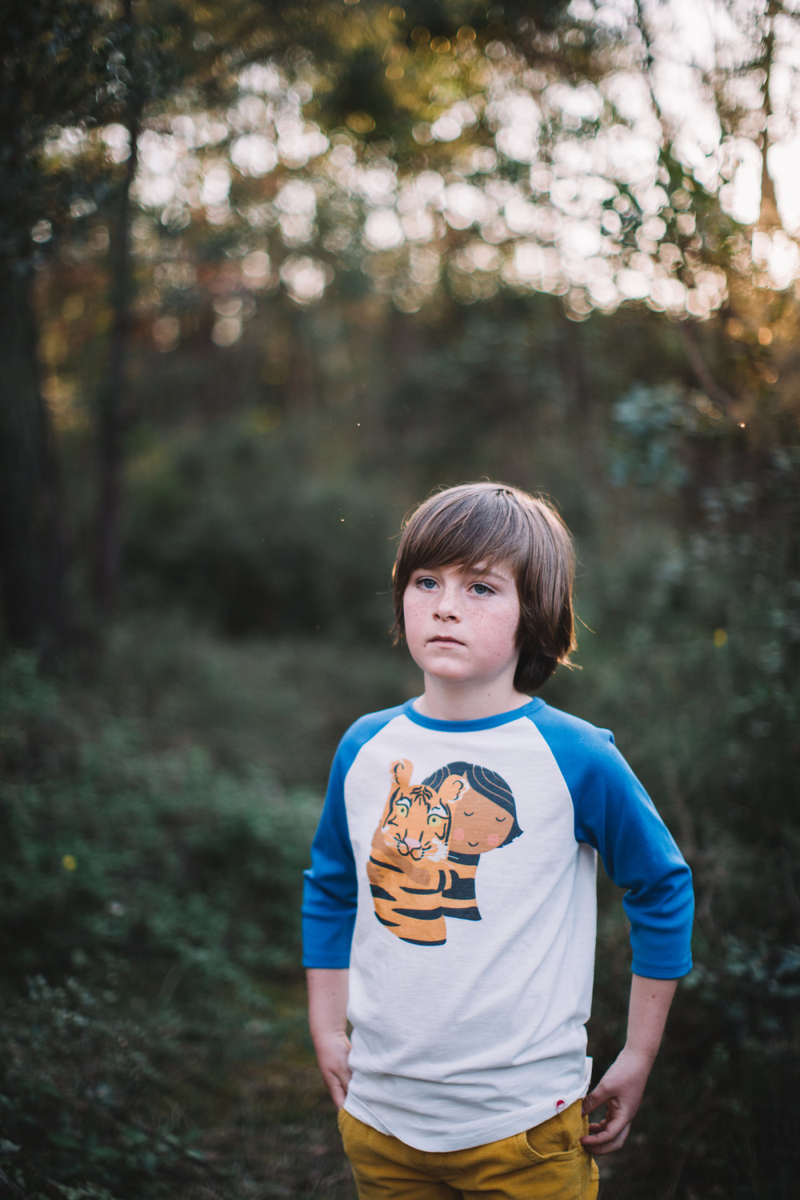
461, 625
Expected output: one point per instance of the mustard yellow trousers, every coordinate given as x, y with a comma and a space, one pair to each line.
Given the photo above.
547, 1162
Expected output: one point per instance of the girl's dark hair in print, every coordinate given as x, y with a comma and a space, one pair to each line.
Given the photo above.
487, 783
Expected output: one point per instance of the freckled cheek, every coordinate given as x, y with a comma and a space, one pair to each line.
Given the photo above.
499, 644
493, 839
459, 835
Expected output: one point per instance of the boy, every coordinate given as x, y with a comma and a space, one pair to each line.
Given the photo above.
450, 907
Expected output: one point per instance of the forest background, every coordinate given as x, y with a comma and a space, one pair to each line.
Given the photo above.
272, 273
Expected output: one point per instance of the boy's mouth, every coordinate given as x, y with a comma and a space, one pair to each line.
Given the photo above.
448, 641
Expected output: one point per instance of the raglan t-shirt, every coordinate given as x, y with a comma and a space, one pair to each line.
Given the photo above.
453, 872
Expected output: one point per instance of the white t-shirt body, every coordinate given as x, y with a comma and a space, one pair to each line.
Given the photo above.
471, 964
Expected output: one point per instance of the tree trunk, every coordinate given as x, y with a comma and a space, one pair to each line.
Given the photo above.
112, 397
769, 217
31, 508
111, 401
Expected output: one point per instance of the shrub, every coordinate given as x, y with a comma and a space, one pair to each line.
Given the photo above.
147, 897
111, 846
239, 527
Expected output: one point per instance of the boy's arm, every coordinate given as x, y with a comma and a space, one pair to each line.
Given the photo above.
614, 814
623, 1084
330, 897
327, 1020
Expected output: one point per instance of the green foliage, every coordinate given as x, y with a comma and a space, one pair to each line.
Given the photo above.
114, 849
652, 420
444, 17
280, 704
693, 662
54, 72
231, 524
360, 87
161, 892
73, 1065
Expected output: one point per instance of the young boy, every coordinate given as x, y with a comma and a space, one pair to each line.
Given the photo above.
450, 908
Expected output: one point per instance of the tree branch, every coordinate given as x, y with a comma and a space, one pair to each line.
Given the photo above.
715, 392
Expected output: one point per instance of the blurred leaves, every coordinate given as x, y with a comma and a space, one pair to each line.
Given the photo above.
235, 527
148, 840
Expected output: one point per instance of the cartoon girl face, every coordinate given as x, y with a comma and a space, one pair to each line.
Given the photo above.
479, 824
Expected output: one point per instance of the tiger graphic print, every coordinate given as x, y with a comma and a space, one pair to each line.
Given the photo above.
425, 850
408, 848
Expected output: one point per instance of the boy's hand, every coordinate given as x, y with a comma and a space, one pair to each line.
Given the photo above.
622, 1086
621, 1090
333, 1050
327, 1020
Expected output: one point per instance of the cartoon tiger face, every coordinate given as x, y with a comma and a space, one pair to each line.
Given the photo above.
418, 824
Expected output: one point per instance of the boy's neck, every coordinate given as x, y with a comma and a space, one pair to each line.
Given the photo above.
445, 702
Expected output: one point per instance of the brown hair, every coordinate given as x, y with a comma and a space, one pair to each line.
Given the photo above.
494, 523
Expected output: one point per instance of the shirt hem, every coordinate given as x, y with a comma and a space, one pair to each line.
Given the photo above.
479, 1133
653, 971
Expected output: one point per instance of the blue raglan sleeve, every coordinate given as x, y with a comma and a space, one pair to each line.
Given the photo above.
615, 815
330, 890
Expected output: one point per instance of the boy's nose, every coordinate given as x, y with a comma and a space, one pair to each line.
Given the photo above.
447, 608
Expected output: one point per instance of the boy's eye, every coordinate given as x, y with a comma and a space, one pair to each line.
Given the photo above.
482, 589
426, 583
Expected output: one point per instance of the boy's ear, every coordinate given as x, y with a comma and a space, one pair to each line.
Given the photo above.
402, 770
452, 788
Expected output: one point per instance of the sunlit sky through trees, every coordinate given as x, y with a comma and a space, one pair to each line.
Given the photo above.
514, 175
